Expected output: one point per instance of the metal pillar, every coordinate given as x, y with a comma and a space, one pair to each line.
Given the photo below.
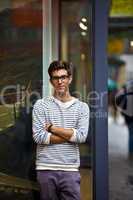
100, 140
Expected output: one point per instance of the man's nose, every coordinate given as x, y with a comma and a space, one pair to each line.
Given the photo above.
60, 80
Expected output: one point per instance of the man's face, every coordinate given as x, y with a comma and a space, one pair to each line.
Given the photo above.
61, 81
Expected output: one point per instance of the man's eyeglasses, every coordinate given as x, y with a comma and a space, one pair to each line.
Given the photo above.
57, 78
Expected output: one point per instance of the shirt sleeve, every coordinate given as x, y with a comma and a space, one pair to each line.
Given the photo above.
73, 137
40, 135
80, 134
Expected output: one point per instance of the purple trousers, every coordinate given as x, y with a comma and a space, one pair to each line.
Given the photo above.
59, 185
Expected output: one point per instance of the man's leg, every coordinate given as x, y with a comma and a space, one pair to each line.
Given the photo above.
70, 186
48, 181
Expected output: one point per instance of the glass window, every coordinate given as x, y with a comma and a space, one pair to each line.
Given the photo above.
20, 86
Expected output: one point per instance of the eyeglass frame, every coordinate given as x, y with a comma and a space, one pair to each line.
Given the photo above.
57, 78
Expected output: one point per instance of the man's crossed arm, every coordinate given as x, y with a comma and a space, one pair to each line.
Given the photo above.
59, 134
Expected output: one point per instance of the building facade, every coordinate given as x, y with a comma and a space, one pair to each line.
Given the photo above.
32, 34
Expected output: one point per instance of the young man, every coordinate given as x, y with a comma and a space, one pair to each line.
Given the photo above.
60, 122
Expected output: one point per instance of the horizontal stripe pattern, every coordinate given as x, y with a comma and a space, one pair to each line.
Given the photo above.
76, 116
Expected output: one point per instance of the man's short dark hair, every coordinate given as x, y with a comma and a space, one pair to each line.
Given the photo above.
57, 65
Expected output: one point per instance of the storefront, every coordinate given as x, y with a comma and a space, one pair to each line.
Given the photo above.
32, 34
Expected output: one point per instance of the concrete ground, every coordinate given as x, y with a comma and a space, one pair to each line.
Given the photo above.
120, 162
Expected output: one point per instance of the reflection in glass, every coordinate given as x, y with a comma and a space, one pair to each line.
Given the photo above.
76, 47
20, 86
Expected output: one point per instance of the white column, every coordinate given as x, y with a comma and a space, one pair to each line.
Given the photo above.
47, 44
50, 39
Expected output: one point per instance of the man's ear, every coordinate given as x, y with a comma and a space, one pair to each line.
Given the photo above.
51, 81
70, 79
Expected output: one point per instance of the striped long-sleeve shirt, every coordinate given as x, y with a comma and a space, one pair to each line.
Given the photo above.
73, 114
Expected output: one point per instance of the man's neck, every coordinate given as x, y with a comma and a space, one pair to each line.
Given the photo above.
63, 97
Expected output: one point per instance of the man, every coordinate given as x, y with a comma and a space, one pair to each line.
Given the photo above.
60, 122
124, 101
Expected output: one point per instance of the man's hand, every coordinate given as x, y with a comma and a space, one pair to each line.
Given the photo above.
47, 126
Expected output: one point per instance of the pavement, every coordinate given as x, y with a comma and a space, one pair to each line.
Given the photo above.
120, 161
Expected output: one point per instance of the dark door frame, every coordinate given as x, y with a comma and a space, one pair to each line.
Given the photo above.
100, 75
